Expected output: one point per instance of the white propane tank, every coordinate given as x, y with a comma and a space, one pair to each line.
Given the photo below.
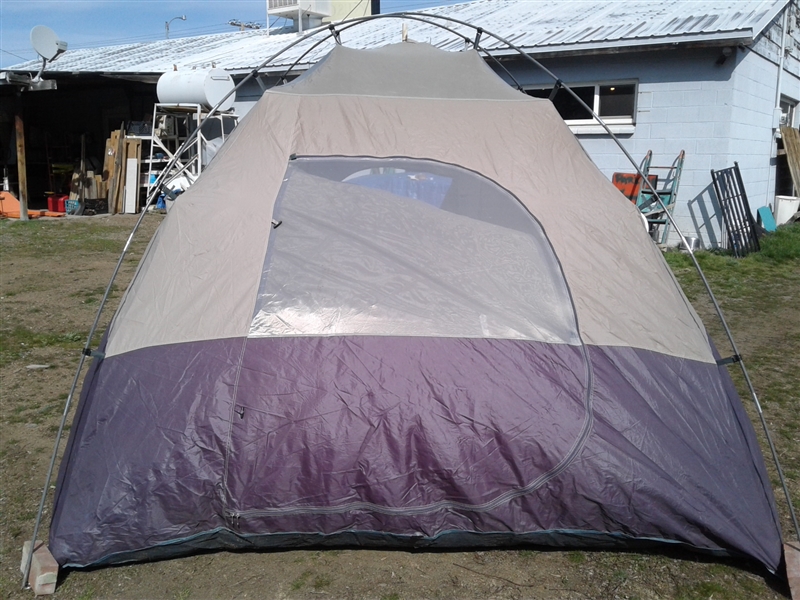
196, 87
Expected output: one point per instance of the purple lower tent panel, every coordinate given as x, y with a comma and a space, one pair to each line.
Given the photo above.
399, 422
407, 442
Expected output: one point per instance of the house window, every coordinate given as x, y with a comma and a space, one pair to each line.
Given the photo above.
614, 102
617, 101
788, 108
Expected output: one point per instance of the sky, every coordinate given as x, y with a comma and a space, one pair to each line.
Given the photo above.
96, 23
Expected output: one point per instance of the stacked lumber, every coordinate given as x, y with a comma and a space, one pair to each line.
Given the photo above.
121, 167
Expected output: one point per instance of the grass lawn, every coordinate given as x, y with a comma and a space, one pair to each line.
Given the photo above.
52, 277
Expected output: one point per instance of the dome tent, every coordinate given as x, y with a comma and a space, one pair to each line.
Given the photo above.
391, 313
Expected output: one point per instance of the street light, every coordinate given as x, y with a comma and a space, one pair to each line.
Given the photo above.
166, 25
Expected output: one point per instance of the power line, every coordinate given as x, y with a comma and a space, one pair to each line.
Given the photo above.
12, 54
352, 9
206, 29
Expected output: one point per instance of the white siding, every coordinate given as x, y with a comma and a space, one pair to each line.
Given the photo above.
685, 102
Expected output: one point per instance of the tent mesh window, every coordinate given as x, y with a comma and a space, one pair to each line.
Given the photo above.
407, 247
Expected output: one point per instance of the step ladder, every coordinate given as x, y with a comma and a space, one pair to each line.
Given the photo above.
668, 180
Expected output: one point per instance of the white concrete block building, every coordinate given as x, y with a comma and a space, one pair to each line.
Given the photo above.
712, 89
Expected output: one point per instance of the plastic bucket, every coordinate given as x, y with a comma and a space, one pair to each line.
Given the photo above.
785, 207
692, 243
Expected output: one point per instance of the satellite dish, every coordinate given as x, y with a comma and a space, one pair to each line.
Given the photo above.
46, 43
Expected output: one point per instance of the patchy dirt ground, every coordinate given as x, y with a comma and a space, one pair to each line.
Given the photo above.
52, 277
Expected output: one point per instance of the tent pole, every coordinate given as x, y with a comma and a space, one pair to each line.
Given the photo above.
717, 308
424, 18
671, 219
154, 190
87, 351
706, 284
27, 571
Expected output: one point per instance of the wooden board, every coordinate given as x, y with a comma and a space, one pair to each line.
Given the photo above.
791, 143
75, 185
106, 179
116, 176
108, 158
102, 186
90, 186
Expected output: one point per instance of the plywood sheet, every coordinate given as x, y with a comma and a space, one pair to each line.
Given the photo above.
791, 143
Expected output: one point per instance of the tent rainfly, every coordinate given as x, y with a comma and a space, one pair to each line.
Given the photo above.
403, 308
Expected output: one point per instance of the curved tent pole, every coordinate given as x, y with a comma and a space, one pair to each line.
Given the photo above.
411, 17
674, 224
157, 187
502, 66
87, 351
333, 32
706, 284
729, 334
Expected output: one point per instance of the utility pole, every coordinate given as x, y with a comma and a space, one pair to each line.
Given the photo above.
22, 169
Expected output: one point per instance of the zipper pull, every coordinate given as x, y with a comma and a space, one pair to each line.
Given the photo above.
233, 517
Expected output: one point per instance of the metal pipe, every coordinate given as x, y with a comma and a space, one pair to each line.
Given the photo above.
784, 26
773, 152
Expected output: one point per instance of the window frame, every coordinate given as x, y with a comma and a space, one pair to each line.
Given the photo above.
618, 125
789, 115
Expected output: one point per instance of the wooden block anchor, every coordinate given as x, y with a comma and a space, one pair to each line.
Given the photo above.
791, 553
44, 569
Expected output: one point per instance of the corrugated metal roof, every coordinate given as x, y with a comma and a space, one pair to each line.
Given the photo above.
546, 26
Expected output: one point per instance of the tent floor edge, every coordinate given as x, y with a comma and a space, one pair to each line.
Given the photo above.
228, 540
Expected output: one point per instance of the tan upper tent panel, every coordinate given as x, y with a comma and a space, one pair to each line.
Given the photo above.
402, 71
200, 277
